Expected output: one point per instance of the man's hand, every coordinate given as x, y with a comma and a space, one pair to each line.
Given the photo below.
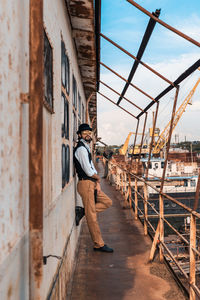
98, 187
95, 176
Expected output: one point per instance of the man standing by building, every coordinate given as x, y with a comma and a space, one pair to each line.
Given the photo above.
88, 185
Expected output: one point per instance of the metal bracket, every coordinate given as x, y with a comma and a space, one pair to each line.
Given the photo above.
50, 255
24, 97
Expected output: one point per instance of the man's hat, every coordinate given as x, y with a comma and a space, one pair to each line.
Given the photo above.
83, 127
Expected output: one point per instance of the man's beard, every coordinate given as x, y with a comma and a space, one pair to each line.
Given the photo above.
88, 140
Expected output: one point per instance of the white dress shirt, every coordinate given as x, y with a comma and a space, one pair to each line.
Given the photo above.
81, 155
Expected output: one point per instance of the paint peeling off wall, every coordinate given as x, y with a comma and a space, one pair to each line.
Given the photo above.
13, 126
14, 82
22, 273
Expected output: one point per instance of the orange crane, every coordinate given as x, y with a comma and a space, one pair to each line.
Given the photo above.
124, 148
164, 136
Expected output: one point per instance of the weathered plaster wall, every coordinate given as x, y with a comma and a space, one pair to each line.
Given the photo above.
60, 205
14, 199
14, 69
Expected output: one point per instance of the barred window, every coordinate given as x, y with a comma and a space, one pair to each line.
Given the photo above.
65, 117
79, 106
74, 93
48, 72
65, 164
74, 126
65, 89
65, 69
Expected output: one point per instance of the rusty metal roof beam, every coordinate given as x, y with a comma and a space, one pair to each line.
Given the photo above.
134, 57
145, 40
134, 86
183, 76
119, 95
186, 37
117, 105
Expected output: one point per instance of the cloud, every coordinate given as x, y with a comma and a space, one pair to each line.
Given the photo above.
190, 26
195, 106
114, 124
167, 53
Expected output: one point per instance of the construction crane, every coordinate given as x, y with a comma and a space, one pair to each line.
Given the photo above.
164, 136
124, 148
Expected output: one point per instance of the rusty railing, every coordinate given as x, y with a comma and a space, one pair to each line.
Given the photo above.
133, 187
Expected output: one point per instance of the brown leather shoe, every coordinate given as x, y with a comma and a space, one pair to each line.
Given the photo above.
105, 248
79, 212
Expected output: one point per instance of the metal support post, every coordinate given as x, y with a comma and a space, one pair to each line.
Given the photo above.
129, 190
138, 121
124, 188
142, 139
136, 200
152, 140
196, 201
161, 208
169, 140
145, 210
122, 183
192, 255
155, 241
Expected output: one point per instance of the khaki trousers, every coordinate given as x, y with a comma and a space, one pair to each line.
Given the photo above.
86, 190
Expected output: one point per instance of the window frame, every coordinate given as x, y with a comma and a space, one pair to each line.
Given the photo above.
74, 92
65, 124
66, 64
66, 117
48, 104
79, 106
65, 164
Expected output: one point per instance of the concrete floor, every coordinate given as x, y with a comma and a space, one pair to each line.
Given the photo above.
126, 273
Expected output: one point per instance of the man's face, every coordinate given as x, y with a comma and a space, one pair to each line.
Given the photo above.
86, 135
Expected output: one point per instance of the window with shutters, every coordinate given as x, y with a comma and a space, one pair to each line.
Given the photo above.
65, 124
48, 74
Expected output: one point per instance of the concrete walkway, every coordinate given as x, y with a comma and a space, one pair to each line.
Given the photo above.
126, 273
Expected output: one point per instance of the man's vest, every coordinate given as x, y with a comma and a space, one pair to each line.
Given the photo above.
81, 174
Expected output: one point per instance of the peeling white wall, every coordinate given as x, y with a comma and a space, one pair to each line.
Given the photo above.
59, 215
59, 204
14, 72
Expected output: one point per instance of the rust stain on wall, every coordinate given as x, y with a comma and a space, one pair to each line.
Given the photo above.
9, 293
8, 25
10, 60
82, 9
10, 130
11, 215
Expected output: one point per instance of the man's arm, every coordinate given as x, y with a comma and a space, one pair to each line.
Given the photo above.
82, 156
95, 176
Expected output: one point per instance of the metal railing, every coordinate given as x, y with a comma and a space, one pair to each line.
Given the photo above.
133, 187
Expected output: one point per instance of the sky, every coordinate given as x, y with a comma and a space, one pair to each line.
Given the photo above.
166, 52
